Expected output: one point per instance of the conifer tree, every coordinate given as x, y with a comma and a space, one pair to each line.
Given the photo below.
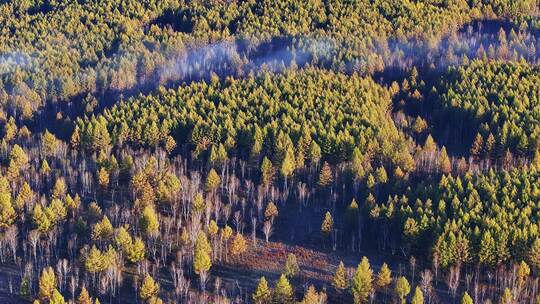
402, 289
362, 282
49, 143
262, 293
418, 297
381, 176
57, 211
384, 277
239, 245
7, 211
327, 224
340, 281
222, 155
152, 134
60, 188
136, 251
311, 296
24, 197
370, 181
487, 254
101, 138
419, 125
24, 289
522, 273
445, 166
17, 161
429, 145
267, 171
57, 298
201, 258
291, 266
150, 221
288, 164
213, 228
226, 232
283, 291
170, 144
506, 297
45, 169
103, 230
325, 176
47, 283
84, 297
358, 164
95, 261
477, 146
315, 152
149, 288
76, 138
41, 219
103, 177
212, 181
10, 129
122, 239
198, 203
466, 299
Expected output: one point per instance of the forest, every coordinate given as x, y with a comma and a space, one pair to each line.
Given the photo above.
270, 151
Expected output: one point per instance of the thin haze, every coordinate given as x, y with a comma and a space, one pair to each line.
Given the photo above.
229, 58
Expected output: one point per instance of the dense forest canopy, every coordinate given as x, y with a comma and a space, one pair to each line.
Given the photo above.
500, 100
66, 50
269, 151
493, 216
310, 113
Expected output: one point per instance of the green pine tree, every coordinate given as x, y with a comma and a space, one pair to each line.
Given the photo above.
262, 293
283, 291
362, 282
418, 297
402, 289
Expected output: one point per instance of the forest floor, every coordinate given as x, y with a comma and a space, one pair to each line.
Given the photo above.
298, 232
